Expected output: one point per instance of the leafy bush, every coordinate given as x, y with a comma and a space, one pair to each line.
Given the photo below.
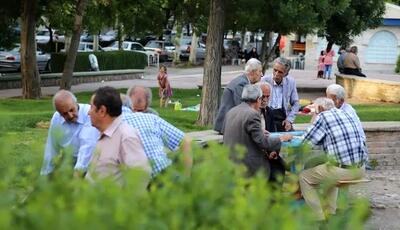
215, 195
107, 61
397, 69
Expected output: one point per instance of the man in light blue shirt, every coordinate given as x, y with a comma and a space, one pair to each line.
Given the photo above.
155, 133
70, 130
284, 100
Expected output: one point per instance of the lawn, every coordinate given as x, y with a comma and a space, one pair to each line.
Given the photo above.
16, 114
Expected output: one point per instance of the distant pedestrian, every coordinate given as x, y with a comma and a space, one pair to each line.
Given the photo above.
165, 90
328, 61
321, 65
253, 53
340, 61
352, 63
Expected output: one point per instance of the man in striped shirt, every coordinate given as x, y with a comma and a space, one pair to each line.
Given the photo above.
341, 140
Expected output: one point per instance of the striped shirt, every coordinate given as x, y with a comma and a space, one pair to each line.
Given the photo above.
154, 133
339, 136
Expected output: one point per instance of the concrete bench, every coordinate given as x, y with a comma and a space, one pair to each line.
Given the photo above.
368, 89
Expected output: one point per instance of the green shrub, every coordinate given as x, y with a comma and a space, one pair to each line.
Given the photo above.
107, 61
397, 69
215, 195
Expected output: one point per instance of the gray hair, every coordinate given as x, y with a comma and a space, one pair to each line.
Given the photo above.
354, 49
325, 102
252, 64
147, 92
336, 90
63, 95
126, 101
264, 83
251, 93
285, 62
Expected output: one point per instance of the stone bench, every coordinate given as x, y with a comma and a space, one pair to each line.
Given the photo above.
368, 89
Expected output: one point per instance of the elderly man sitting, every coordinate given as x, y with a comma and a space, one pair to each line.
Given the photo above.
341, 140
243, 126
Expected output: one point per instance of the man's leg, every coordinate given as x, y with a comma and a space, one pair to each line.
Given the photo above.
310, 180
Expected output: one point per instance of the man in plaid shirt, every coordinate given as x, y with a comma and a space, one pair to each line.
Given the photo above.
155, 133
338, 134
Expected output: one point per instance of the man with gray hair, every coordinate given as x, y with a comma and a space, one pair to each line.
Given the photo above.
337, 93
231, 96
70, 129
243, 127
285, 100
342, 142
140, 99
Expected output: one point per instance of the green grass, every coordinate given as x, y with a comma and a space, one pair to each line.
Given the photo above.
18, 115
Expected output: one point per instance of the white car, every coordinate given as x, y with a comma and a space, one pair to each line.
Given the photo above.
131, 46
43, 36
164, 49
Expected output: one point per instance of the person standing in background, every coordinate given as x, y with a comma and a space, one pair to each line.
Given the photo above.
321, 65
328, 61
165, 90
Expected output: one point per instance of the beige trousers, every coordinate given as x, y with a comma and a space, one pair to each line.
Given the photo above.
325, 177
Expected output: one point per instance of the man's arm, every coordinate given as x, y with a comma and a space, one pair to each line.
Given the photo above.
51, 146
172, 136
88, 138
253, 127
294, 103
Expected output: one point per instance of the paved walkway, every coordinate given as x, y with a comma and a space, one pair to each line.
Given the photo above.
188, 78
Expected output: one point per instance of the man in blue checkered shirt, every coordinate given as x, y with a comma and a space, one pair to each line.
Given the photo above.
338, 134
155, 133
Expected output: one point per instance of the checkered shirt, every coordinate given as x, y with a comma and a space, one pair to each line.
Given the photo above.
339, 136
154, 133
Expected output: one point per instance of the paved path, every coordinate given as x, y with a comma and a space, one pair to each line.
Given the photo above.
188, 78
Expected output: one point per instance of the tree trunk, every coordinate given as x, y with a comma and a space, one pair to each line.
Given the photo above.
212, 66
264, 46
270, 53
29, 70
66, 79
193, 49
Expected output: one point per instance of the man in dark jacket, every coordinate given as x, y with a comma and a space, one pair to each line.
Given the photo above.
243, 127
233, 91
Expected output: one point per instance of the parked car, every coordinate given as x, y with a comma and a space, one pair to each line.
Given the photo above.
10, 60
43, 36
85, 47
108, 36
200, 51
164, 49
131, 46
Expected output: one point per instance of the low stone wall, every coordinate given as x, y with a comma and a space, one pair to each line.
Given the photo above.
383, 142
370, 89
53, 79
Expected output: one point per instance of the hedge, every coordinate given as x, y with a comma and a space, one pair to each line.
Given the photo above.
107, 61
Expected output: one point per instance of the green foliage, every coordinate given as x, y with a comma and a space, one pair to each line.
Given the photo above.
397, 69
107, 61
215, 195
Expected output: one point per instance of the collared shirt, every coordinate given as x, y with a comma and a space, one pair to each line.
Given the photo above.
155, 133
118, 146
80, 137
277, 95
286, 96
339, 136
350, 110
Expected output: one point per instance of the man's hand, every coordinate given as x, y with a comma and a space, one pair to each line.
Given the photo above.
287, 125
286, 137
273, 155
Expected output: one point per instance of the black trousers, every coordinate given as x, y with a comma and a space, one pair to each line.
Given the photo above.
356, 72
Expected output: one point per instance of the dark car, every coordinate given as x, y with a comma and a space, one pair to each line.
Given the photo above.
10, 60
164, 49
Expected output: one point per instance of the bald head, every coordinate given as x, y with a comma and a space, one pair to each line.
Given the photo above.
140, 97
66, 105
